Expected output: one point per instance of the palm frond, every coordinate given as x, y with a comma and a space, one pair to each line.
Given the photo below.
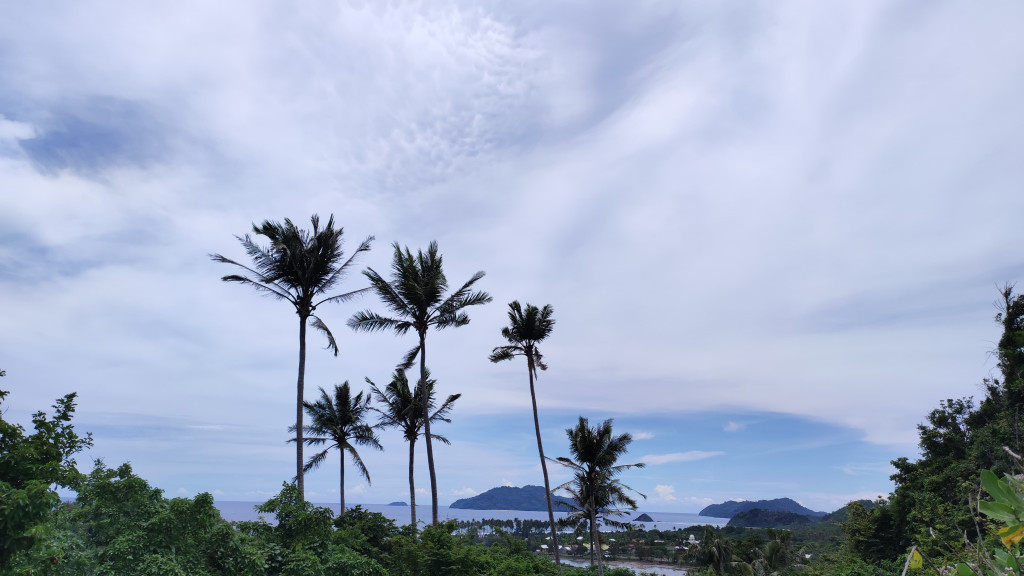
315, 461
409, 359
389, 294
342, 270
344, 297
502, 353
441, 439
369, 321
317, 323
269, 288
359, 463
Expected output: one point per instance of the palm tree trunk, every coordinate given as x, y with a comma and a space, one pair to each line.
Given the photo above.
412, 481
426, 427
298, 408
543, 466
595, 537
341, 485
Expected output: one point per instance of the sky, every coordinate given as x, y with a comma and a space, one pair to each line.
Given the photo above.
772, 232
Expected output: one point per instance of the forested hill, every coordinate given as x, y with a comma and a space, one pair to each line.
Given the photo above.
528, 498
732, 507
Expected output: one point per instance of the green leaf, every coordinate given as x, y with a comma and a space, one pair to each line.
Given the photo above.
998, 511
964, 570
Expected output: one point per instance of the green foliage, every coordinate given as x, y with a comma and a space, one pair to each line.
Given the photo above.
871, 534
30, 465
435, 551
368, 533
120, 525
1007, 509
930, 506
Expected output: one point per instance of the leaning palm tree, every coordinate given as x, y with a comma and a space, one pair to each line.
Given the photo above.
401, 409
416, 295
595, 490
525, 330
298, 266
340, 423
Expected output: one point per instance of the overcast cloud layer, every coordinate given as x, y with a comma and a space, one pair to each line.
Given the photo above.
772, 233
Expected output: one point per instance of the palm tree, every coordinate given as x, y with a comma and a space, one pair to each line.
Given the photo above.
717, 550
299, 266
416, 295
525, 330
401, 409
341, 424
595, 490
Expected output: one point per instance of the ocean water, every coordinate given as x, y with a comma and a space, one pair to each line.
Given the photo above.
234, 511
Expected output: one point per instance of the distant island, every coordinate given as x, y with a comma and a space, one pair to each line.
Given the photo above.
643, 518
527, 498
398, 504
759, 518
732, 508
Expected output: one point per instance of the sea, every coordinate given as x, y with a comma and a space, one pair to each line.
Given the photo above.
236, 511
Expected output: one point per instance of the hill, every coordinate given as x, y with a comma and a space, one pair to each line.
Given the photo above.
527, 498
732, 507
758, 518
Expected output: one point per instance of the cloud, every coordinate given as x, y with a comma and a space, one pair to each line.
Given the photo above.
734, 426
690, 456
643, 436
849, 215
464, 492
665, 493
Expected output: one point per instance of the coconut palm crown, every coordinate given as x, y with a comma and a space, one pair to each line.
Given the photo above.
400, 408
298, 266
340, 422
418, 296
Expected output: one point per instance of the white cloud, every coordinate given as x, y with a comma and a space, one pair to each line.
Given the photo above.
464, 493
11, 130
665, 493
690, 456
849, 214
734, 426
643, 436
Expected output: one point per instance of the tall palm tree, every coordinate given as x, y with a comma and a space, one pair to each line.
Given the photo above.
595, 490
525, 330
401, 409
298, 266
417, 296
340, 423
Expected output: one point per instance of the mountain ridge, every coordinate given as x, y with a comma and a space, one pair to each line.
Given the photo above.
733, 507
529, 498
